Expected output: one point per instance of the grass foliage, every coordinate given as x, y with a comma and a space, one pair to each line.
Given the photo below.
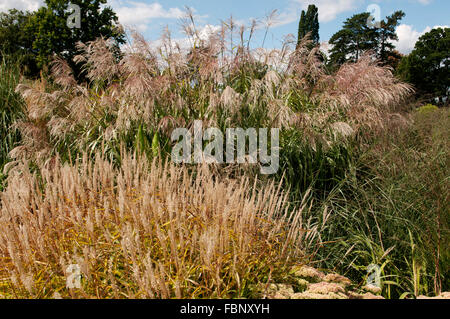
11, 108
90, 183
143, 231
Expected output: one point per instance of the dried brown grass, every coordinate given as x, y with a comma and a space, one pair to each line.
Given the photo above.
142, 231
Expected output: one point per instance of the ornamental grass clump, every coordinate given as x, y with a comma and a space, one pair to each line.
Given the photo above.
224, 82
142, 230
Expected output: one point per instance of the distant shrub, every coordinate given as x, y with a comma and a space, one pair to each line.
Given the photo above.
11, 109
427, 108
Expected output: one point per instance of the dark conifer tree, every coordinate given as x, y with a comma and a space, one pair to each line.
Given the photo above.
309, 23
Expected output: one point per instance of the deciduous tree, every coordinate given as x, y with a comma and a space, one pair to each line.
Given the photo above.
428, 65
15, 42
52, 35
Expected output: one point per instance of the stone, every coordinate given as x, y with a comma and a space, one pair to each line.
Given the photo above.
367, 295
443, 295
274, 291
338, 279
307, 272
325, 288
373, 289
285, 290
312, 295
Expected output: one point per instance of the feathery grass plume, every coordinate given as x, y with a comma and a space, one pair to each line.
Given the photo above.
39, 107
230, 99
143, 230
208, 81
62, 73
139, 68
305, 65
99, 62
218, 78
365, 91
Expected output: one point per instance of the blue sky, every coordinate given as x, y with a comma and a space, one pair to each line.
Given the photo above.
150, 17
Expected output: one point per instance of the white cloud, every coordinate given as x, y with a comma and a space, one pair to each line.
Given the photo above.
285, 17
135, 13
208, 30
139, 14
185, 43
330, 9
204, 34
408, 36
325, 47
30, 5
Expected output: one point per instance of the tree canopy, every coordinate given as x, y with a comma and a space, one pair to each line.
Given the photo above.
358, 36
52, 35
428, 65
46, 32
15, 42
309, 23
